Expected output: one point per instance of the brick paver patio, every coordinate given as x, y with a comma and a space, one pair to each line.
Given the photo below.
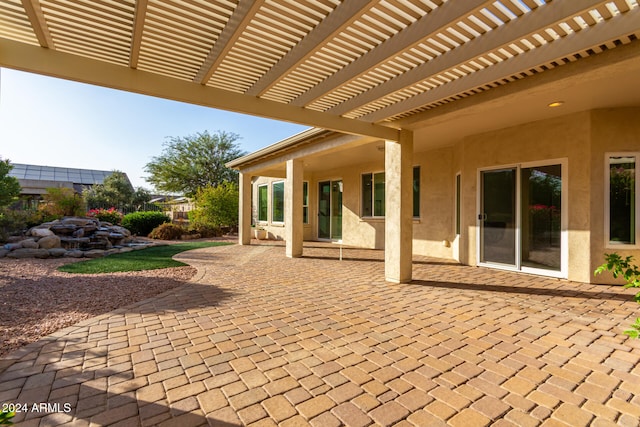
258, 339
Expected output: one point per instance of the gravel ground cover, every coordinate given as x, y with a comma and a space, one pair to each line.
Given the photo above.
37, 300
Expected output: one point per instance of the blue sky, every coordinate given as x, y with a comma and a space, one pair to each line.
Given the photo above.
54, 122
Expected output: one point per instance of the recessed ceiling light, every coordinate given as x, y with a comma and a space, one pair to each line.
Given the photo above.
556, 104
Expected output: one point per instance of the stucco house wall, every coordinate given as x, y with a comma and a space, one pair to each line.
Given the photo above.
564, 137
579, 140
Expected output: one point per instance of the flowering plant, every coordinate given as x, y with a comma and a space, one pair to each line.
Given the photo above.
111, 215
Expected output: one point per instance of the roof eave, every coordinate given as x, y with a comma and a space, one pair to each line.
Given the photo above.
303, 137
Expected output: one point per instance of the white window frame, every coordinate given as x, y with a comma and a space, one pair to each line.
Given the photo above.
457, 204
607, 202
305, 203
273, 204
262, 221
564, 220
373, 180
373, 173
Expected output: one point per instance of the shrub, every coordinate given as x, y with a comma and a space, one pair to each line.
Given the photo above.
142, 223
63, 202
111, 215
216, 206
13, 222
5, 417
623, 267
10, 223
167, 231
205, 231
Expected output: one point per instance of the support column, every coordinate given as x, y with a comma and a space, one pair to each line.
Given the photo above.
398, 245
244, 210
293, 222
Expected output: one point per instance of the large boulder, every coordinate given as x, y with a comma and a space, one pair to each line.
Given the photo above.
3, 252
40, 232
74, 254
121, 230
57, 252
29, 244
94, 253
49, 242
79, 222
28, 253
63, 229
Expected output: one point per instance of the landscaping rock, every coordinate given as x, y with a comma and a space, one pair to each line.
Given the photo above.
29, 244
94, 253
40, 232
117, 229
74, 254
63, 229
49, 242
28, 253
75, 237
13, 246
3, 253
79, 222
57, 252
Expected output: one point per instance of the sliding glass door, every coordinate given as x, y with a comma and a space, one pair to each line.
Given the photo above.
330, 210
521, 219
541, 195
498, 217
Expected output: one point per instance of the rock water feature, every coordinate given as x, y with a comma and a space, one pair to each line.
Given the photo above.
72, 237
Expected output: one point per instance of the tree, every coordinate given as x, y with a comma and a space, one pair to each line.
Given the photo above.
216, 206
62, 201
195, 161
116, 191
9, 185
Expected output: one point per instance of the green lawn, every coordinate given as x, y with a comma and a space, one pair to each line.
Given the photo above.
146, 259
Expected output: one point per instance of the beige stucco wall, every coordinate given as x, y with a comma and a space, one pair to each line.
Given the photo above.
612, 130
558, 138
580, 140
437, 197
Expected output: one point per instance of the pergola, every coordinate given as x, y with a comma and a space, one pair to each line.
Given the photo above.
377, 68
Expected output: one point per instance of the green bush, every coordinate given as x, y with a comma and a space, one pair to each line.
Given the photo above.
5, 418
624, 267
10, 223
142, 223
205, 231
13, 222
216, 206
167, 231
63, 202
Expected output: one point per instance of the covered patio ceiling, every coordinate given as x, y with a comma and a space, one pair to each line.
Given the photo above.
364, 67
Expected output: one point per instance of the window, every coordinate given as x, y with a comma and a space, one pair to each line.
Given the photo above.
416, 192
277, 202
262, 203
305, 202
620, 200
458, 204
373, 194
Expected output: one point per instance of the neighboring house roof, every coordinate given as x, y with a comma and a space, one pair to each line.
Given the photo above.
53, 173
35, 179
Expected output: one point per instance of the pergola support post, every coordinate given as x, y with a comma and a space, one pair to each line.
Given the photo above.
244, 211
293, 209
398, 246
